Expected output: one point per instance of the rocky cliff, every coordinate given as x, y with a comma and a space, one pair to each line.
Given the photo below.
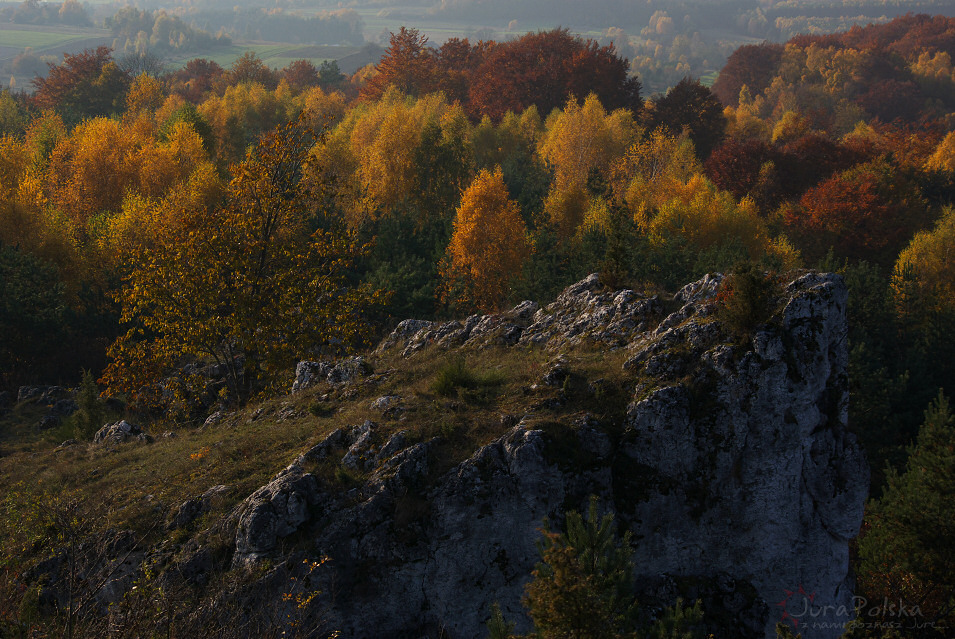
726, 453
731, 464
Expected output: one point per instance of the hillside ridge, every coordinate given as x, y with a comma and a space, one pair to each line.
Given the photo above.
728, 457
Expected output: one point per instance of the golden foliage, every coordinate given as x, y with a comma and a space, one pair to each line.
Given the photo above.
370, 155
943, 159
43, 135
89, 171
791, 126
583, 138
144, 221
14, 161
325, 110
516, 134
384, 141
578, 143
706, 217
925, 269
145, 94
489, 244
242, 113
567, 208
245, 283
744, 124
652, 170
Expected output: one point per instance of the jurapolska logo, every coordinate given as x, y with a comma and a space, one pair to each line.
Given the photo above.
795, 599
800, 609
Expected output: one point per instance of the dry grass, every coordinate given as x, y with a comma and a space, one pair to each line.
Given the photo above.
137, 485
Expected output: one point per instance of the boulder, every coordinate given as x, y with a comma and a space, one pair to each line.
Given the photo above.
120, 432
274, 511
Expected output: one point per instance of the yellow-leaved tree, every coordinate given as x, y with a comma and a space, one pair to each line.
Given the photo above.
488, 247
245, 283
652, 172
579, 144
706, 217
943, 159
924, 278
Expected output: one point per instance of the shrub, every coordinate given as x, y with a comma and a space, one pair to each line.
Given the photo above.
746, 299
92, 410
453, 375
456, 374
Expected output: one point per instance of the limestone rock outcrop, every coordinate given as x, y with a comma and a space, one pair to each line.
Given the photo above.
732, 466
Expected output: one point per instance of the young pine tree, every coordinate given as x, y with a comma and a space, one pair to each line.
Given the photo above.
908, 552
583, 586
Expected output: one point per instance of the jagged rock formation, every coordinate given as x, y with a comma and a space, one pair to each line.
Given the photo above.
120, 432
733, 466
729, 459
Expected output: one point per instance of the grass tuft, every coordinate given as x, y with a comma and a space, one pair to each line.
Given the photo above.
456, 375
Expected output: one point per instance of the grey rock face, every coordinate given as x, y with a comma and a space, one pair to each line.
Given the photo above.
760, 478
276, 510
405, 330
309, 373
214, 419
64, 408
43, 394
388, 405
733, 467
361, 452
345, 370
581, 314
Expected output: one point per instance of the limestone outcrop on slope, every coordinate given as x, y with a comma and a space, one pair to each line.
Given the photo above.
733, 467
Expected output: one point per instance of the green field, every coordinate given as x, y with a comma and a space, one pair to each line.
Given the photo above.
37, 39
707, 79
275, 55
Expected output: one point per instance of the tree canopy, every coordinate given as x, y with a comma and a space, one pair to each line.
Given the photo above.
246, 282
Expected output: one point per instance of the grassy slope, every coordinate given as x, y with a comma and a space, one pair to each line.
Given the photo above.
137, 485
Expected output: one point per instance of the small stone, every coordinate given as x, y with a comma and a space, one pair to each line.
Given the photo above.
214, 419
386, 403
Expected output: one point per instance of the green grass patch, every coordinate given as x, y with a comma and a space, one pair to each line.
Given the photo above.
275, 54
465, 401
457, 375
40, 39
709, 78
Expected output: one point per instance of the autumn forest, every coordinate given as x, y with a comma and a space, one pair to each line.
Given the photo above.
247, 215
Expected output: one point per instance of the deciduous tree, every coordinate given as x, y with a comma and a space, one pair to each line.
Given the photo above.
245, 283
692, 107
868, 212
752, 66
927, 267
489, 244
86, 84
544, 69
407, 65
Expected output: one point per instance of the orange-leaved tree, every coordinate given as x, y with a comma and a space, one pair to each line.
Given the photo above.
245, 283
488, 247
408, 65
